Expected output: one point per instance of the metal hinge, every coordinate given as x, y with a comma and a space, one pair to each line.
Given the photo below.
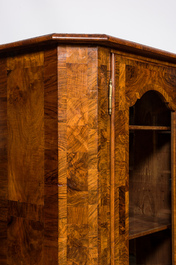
110, 97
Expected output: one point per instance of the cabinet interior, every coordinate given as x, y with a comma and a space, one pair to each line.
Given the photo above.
150, 181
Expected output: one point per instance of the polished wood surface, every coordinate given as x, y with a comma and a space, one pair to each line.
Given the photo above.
84, 136
144, 225
25, 128
25, 119
104, 221
3, 164
173, 173
50, 109
87, 39
133, 77
77, 145
121, 150
147, 128
64, 161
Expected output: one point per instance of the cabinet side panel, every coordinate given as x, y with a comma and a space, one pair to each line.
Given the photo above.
25, 117
3, 162
104, 239
78, 159
121, 165
51, 158
173, 175
25, 128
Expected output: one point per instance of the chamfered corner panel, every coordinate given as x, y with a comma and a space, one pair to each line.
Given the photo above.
84, 202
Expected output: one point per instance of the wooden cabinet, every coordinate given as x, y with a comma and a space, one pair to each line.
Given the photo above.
80, 183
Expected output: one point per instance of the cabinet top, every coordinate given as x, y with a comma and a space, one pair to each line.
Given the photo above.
90, 39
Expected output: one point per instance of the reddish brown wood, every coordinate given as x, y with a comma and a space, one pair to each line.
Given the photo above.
64, 162
50, 158
25, 117
25, 241
145, 225
143, 76
94, 39
62, 156
104, 236
25, 124
112, 165
147, 128
25, 210
121, 132
140, 77
173, 173
79, 197
149, 179
3, 164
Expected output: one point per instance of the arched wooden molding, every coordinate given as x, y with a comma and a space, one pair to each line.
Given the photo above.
165, 97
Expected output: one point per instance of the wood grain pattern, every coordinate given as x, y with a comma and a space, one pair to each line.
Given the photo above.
25, 128
78, 159
144, 225
64, 163
27, 211
173, 174
77, 147
112, 165
142, 77
87, 39
139, 78
3, 163
121, 123
3, 242
153, 197
147, 128
104, 236
50, 158
92, 85
25, 242
150, 177
25, 118
62, 156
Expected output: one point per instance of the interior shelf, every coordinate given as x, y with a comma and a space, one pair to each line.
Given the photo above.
145, 225
150, 212
154, 128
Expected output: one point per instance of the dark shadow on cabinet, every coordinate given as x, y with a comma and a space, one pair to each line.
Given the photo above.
150, 181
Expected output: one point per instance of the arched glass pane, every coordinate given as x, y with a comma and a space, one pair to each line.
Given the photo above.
150, 181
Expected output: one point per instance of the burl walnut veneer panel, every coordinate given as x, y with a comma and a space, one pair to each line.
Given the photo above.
25, 121
25, 128
83, 193
29, 181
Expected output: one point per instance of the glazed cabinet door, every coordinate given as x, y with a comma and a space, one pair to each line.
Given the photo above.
142, 161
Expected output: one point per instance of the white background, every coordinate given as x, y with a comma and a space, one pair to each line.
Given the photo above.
149, 22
